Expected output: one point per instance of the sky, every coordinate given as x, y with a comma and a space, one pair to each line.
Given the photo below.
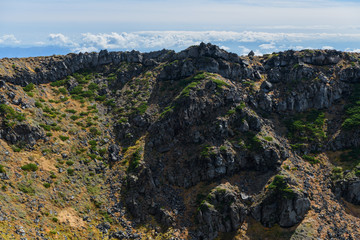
47, 27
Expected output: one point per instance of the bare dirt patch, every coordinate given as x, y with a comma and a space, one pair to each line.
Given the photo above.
69, 216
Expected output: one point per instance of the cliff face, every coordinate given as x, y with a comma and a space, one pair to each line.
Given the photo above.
200, 144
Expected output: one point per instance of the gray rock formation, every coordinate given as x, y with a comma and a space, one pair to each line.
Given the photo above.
22, 134
283, 206
349, 189
222, 211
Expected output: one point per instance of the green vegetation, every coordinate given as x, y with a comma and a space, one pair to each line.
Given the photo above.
337, 173
134, 161
26, 188
219, 83
69, 163
2, 169
240, 107
351, 158
311, 159
30, 167
10, 114
94, 131
250, 142
70, 171
46, 185
110, 103
77, 90
63, 138
206, 151
306, 128
141, 109
93, 86
38, 104
200, 76
205, 205
59, 83
268, 138
74, 117
16, 148
191, 83
71, 111
63, 90
92, 142
186, 91
231, 112
286, 167
223, 148
352, 119
167, 110
45, 127
279, 185
29, 87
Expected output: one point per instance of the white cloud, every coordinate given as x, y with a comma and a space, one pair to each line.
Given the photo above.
328, 47
8, 40
240, 42
169, 39
267, 46
352, 50
60, 40
244, 50
85, 49
298, 48
225, 48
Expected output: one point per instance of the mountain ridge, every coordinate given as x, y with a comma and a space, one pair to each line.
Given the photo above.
200, 144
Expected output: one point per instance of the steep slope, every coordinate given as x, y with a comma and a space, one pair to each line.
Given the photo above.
200, 144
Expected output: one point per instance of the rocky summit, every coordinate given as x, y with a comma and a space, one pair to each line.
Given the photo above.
199, 144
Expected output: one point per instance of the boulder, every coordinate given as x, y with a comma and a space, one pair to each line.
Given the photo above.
349, 189
281, 205
221, 211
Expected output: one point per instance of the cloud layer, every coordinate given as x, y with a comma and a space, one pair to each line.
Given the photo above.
8, 40
263, 42
239, 42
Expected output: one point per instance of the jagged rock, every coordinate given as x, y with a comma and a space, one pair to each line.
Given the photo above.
72, 83
266, 86
20, 230
103, 227
114, 151
164, 217
348, 189
285, 207
198, 132
22, 133
222, 211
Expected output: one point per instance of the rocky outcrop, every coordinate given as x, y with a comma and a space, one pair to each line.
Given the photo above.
114, 153
22, 134
201, 121
345, 139
222, 211
280, 204
209, 58
58, 67
349, 189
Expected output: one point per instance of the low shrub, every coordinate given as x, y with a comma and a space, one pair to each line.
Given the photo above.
63, 138
70, 171
30, 167
29, 87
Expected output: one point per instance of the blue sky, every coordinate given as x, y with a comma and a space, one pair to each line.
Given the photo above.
46, 27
